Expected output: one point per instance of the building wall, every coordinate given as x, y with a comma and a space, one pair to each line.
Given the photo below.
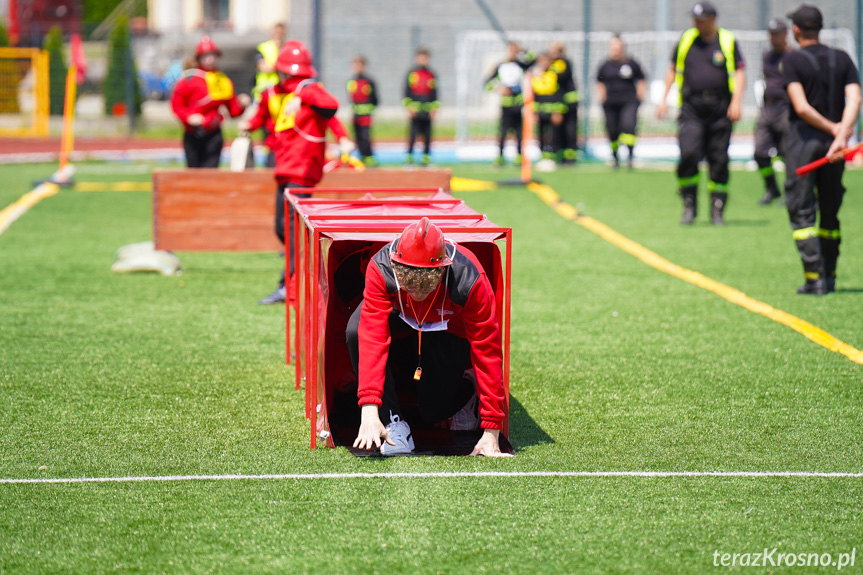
171, 17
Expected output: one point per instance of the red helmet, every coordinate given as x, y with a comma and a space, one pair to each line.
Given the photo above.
295, 60
207, 46
421, 245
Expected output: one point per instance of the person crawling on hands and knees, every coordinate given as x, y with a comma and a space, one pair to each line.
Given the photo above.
428, 313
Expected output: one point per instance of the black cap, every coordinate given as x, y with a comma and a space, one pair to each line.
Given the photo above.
703, 10
807, 17
777, 25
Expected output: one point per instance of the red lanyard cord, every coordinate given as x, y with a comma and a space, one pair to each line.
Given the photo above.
419, 369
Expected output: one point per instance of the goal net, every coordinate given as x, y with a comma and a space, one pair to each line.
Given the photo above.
478, 52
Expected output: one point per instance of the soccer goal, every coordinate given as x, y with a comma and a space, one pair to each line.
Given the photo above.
478, 52
23, 92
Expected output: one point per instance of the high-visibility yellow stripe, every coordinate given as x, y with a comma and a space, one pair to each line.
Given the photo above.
829, 234
628, 139
114, 187
14, 211
468, 185
690, 181
804, 234
814, 333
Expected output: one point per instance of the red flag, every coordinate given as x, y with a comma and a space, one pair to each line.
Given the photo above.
77, 49
14, 29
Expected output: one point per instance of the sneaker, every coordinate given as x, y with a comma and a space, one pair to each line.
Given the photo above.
409, 160
277, 296
400, 433
499, 161
426, 160
517, 160
813, 287
467, 419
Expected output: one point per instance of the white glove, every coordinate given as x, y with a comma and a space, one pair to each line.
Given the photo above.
293, 105
346, 146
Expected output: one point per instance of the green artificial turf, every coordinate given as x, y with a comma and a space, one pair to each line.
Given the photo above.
615, 366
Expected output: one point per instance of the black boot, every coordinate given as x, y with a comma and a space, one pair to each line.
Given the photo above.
717, 207
690, 205
813, 264
816, 286
770, 194
830, 254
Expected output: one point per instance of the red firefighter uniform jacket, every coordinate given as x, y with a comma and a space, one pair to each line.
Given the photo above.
204, 92
468, 306
364, 98
300, 137
268, 110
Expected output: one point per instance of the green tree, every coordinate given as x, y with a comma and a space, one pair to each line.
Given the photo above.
53, 44
119, 58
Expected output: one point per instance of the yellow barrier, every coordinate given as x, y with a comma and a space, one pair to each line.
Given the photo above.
24, 86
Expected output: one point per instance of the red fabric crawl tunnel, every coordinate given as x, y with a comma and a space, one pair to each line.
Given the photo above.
335, 237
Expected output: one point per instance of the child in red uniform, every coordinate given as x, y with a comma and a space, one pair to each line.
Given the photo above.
304, 112
433, 299
422, 104
197, 100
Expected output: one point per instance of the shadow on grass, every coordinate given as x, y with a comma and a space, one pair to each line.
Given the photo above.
849, 290
523, 430
747, 223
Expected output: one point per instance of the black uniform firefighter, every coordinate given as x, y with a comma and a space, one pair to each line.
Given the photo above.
824, 91
773, 120
707, 67
620, 87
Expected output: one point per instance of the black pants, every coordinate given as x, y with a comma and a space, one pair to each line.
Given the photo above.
442, 389
510, 120
569, 133
769, 138
203, 150
421, 125
280, 225
621, 119
363, 135
818, 247
550, 135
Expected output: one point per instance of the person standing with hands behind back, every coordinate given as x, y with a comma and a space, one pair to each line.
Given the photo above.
824, 91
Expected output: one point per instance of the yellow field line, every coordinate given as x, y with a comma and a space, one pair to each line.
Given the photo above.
468, 185
14, 211
814, 333
113, 187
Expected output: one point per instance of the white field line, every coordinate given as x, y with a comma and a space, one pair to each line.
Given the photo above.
441, 475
